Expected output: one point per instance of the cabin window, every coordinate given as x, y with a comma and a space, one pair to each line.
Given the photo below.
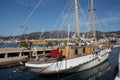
76, 51
93, 49
84, 50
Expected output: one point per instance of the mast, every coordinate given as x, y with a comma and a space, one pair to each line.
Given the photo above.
77, 20
92, 10
68, 31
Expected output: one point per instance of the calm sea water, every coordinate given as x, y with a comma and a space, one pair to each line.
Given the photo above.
14, 45
11, 45
104, 71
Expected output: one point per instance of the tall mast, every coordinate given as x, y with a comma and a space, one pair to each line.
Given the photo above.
92, 10
77, 20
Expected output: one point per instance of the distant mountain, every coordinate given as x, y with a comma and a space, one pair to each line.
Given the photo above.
61, 34
38, 35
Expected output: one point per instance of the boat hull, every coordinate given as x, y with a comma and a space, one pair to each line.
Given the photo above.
91, 73
71, 65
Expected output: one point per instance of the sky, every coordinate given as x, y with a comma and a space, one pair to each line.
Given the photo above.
27, 16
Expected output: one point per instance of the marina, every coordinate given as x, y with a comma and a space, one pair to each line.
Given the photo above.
80, 56
63, 59
64, 41
104, 71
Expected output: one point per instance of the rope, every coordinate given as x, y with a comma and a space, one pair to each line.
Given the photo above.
61, 15
41, 34
65, 17
22, 26
11, 38
82, 12
59, 71
30, 14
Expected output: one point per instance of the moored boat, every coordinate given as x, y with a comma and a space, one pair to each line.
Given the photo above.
69, 65
72, 58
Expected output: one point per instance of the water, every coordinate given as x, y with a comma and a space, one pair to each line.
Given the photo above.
14, 45
104, 71
11, 45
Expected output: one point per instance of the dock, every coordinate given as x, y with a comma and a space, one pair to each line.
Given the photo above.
15, 56
19, 50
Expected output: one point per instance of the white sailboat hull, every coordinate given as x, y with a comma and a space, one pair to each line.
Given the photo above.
71, 65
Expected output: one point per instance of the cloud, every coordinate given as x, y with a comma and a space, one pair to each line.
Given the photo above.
110, 22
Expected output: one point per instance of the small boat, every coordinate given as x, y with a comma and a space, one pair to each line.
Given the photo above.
72, 58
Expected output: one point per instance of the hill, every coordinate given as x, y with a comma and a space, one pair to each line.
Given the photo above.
61, 34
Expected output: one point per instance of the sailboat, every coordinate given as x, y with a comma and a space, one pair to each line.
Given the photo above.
71, 58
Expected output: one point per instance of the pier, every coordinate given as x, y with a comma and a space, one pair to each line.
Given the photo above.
16, 56
19, 50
